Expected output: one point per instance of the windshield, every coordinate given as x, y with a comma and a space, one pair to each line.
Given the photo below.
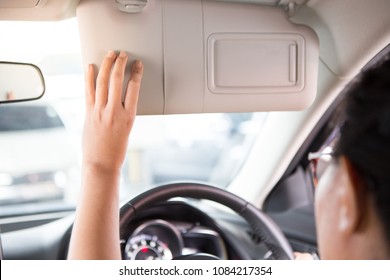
40, 141
15, 118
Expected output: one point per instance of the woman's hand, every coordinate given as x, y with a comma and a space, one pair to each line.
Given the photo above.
304, 256
108, 121
109, 116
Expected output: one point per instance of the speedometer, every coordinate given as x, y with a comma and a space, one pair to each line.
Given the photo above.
147, 247
154, 240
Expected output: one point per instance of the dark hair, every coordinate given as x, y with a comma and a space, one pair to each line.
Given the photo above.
365, 134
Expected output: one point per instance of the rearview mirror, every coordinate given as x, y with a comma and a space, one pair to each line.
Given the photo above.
20, 82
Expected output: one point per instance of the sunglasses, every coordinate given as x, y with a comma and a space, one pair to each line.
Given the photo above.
319, 162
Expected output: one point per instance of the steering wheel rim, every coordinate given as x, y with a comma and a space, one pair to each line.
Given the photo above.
261, 224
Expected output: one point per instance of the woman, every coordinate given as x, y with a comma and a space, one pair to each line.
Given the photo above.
352, 196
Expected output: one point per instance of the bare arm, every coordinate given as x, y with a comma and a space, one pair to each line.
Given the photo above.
107, 126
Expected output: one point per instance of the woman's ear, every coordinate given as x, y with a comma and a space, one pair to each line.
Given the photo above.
353, 199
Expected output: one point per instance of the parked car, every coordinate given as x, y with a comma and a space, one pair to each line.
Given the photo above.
269, 74
36, 153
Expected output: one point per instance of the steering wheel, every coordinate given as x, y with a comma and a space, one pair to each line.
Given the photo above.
263, 227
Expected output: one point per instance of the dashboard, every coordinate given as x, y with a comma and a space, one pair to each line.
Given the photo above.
168, 230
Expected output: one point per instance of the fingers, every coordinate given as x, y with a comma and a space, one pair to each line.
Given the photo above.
133, 87
109, 83
303, 256
103, 80
116, 80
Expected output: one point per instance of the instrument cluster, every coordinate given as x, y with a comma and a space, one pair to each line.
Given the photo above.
165, 240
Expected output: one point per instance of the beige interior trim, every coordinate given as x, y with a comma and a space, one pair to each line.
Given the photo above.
37, 10
207, 56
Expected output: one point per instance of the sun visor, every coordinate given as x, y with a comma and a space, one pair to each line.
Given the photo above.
207, 56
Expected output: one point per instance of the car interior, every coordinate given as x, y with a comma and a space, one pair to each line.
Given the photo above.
235, 95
